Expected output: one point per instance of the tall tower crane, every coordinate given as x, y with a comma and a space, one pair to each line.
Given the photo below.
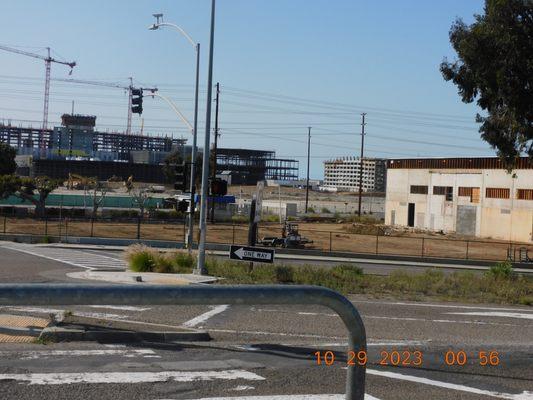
48, 60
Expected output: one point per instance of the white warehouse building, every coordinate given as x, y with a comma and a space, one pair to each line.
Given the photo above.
469, 196
342, 174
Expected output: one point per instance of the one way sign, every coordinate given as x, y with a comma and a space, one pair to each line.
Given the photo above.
257, 254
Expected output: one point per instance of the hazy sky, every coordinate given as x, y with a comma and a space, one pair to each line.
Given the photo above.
283, 65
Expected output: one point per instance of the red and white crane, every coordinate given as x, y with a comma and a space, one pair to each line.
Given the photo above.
48, 60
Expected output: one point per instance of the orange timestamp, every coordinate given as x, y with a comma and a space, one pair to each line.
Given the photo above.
410, 358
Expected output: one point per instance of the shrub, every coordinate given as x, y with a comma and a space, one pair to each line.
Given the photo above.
284, 273
501, 271
163, 264
239, 219
325, 210
311, 210
141, 258
182, 262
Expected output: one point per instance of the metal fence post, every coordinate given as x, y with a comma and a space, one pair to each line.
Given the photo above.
5, 221
66, 229
467, 248
185, 233
330, 242
138, 227
46, 226
68, 294
233, 234
377, 243
423, 242
92, 226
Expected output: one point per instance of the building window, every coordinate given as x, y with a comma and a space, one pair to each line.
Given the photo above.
524, 194
418, 189
444, 191
497, 193
472, 192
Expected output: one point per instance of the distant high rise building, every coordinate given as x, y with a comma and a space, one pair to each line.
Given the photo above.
343, 174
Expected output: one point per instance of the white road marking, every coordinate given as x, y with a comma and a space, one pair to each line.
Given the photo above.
205, 316
242, 387
34, 355
496, 314
452, 386
76, 258
288, 397
399, 303
370, 343
444, 321
130, 377
125, 308
60, 312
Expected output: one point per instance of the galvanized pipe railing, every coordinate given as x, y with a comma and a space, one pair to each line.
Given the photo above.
64, 294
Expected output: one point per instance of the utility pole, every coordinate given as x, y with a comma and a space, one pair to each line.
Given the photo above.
200, 266
308, 159
361, 162
214, 176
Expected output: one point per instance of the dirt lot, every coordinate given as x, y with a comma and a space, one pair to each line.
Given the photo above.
325, 236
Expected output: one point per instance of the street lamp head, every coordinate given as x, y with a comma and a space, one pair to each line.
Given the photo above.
158, 17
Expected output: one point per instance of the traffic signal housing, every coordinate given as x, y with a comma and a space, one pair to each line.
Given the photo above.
219, 187
181, 177
136, 101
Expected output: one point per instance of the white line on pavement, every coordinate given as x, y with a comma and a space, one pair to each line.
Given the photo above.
399, 303
496, 314
205, 316
34, 355
452, 386
288, 397
130, 377
125, 308
446, 321
57, 311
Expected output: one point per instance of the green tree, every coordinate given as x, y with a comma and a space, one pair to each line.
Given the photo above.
9, 184
7, 159
495, 67
36, 191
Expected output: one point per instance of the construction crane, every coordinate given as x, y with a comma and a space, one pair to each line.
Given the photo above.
48, 60
112, 85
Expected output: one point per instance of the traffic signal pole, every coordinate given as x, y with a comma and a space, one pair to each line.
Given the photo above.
214, 175
190, 232
200, 266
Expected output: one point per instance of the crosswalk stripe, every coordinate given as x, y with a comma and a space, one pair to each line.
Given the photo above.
72, 257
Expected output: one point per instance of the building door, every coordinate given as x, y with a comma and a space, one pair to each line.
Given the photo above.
411, 215
466, 220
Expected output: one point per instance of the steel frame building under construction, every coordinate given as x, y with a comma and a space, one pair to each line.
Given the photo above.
250, 166
78, 133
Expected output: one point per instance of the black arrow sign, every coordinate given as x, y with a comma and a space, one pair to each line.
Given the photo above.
258, 254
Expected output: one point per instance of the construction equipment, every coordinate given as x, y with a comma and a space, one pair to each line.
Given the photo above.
48, 60
290, 238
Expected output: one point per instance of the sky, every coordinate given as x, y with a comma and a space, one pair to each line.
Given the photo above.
283, 66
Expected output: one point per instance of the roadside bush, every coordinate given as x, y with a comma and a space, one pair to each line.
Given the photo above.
270, 218
239, 219
182, 262
325, 210
311, 210
163, 264
141, 258
501, 270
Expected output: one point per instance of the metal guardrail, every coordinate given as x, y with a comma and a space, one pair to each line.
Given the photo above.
61, 294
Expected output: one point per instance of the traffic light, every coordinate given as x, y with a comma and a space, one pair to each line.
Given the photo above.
181, 179
136, 101
182, 206
219, 187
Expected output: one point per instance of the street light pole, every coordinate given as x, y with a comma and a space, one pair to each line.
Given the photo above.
200, 267
159, 23
361, 163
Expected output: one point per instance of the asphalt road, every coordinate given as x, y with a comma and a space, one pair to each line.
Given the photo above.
268, 351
